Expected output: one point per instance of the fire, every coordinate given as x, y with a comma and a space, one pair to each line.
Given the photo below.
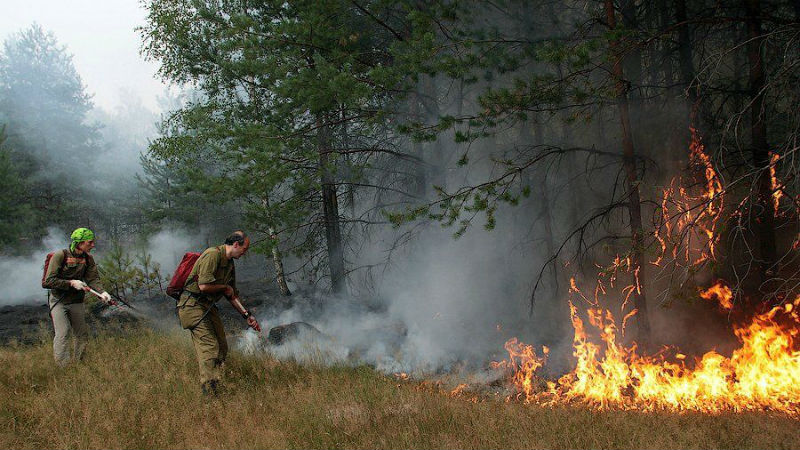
721, 293
458, 390
777, 192
688, 218
762, 374
524, 362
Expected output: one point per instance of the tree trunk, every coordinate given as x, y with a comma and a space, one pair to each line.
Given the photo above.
330, 207
634, 204
277, 260
351, 189
765, 222
420, 181
435, 157
632, 59
666, 46
685, 49
547, 215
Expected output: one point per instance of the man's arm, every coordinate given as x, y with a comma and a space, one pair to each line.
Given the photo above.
238, 306
251, 320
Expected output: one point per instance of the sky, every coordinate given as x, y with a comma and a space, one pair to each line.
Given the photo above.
101, 36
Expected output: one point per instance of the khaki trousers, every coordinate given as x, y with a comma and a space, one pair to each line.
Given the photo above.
208, 338
65, 318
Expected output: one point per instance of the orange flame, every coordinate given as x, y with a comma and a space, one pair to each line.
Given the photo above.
721, 293
762, 374
687, 219
458, 390
777, 192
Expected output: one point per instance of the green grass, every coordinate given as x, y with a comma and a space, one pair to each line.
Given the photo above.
140, 391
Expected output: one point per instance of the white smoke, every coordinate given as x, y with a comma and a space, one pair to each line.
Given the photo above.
449, 305
168, 246
23, 282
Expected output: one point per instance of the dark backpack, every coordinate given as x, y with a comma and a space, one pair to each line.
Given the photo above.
47, 265
178, 281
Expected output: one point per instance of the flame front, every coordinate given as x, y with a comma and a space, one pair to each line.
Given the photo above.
762, 374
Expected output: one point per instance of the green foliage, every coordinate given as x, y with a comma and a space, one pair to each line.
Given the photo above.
43, 106
283, 84
13, 202
124, 275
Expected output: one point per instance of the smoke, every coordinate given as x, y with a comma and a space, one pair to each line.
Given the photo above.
446, 306
167, 247
125, 133
24, 274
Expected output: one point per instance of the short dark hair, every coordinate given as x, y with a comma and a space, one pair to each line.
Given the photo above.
236, 236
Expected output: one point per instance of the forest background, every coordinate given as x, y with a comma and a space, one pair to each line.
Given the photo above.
461, 167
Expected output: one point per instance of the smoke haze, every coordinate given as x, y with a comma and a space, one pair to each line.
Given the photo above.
24, 274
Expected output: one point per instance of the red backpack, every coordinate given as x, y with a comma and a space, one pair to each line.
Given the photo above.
178, 281
47, 265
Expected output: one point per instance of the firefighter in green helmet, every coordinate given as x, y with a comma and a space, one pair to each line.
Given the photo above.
70, 273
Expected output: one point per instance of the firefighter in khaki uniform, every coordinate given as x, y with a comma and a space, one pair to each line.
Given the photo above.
69, 275
213, 277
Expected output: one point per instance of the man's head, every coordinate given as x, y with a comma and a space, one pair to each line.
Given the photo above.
82, 240
236, 244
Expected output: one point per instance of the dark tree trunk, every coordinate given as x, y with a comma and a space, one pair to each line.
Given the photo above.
685, 50
632, 59
666, 45
420, 180
330, 207
435, 156
634, 203
351, 189
765, 222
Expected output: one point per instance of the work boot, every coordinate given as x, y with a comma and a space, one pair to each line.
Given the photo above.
210, 388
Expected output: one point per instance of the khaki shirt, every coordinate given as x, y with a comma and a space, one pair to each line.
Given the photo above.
75, 267
212, 267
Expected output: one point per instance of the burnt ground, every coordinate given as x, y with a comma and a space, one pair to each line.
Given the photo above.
30, 323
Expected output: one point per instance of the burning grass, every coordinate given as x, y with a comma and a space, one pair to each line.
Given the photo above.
140, 391
762, 374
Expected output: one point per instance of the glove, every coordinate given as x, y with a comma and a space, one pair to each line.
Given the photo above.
79, 285
106, 298
253, 323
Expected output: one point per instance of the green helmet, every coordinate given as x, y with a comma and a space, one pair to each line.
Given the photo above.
80, 235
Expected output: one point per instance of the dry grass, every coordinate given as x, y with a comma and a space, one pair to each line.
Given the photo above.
140, 391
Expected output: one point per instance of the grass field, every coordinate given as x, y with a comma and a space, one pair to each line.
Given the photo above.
140, 391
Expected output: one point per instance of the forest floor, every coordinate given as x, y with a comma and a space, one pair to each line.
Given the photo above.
138, 388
